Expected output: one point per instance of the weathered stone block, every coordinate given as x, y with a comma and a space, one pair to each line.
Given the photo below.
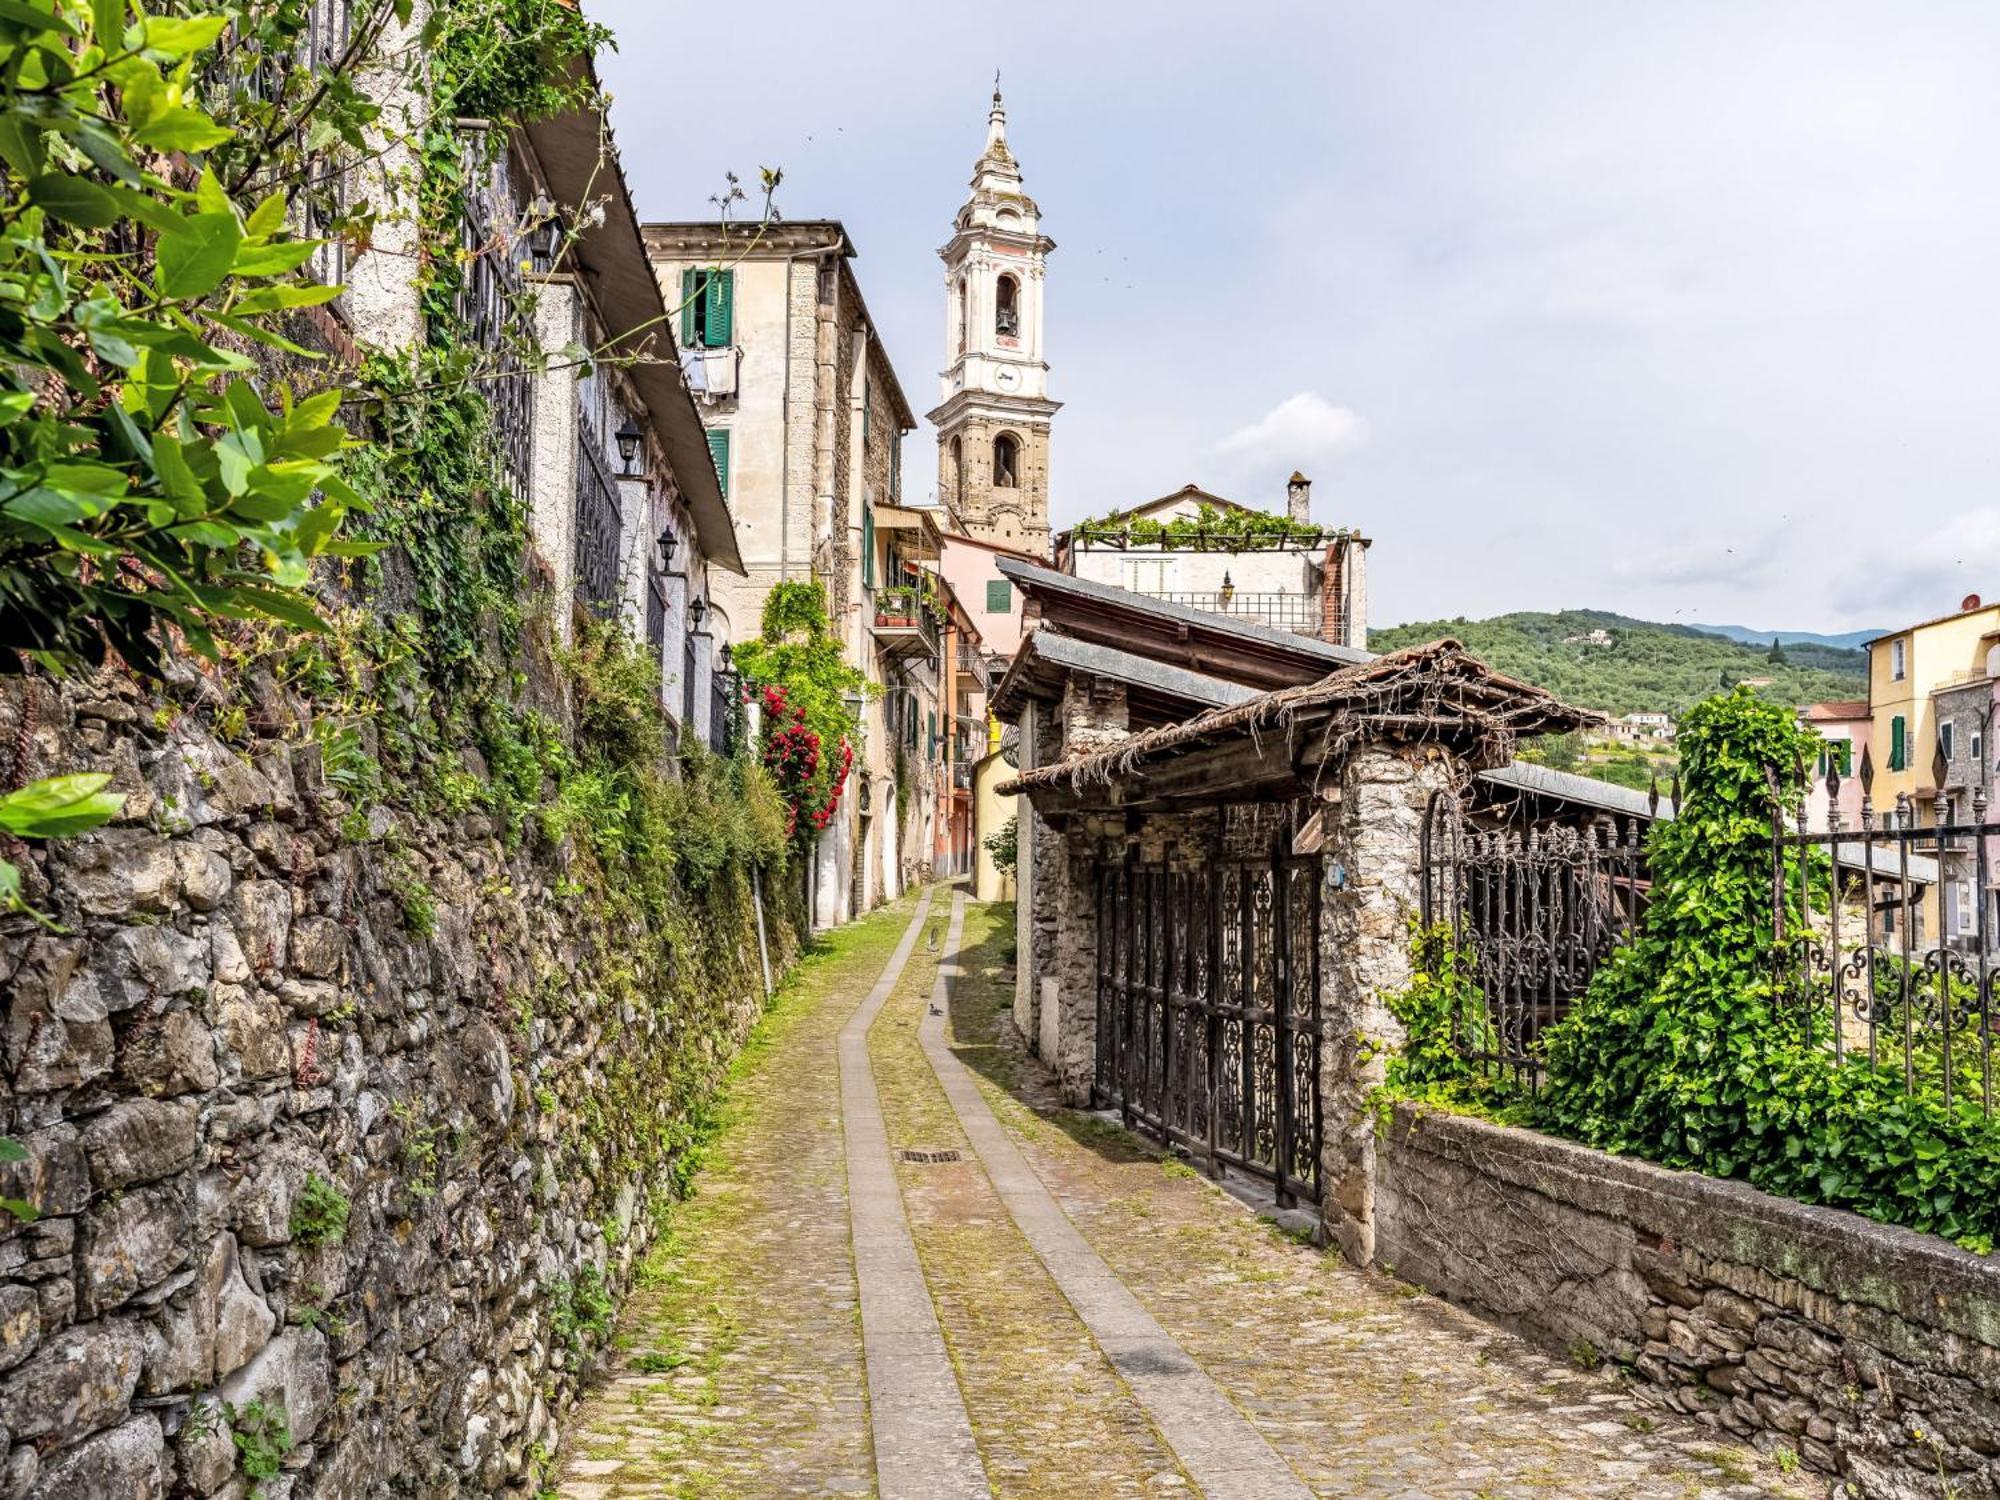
80, 1380
171, 1055
130, 1243
140, 1140
117, 871
128, 1461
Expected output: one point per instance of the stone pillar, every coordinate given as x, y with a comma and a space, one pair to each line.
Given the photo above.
1074, 967
381, 299
1370, 890
552, 516
635, 548
1027, 835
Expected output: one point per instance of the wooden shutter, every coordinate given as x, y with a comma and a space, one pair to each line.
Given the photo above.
1896, 743
718, 449
688, 320
930, 720
721, 296
999, 596
867, 545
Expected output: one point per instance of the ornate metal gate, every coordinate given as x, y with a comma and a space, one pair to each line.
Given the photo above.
1208, 1010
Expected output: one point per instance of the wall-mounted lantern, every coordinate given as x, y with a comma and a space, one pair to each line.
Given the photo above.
696, 609
628, 444
667, 542
543, 233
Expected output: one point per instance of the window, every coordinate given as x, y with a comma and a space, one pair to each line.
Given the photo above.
1947, 735
718, 449
999, 596
1961, 904
956, 478
1006, 461
958, 335
1898, 659
1836, 755
1007, 308
1898, 749
708, 308
867, 545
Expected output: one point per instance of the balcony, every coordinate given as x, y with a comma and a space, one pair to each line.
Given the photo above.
1301, 614
906, 624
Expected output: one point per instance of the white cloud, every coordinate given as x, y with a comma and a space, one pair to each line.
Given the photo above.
1927, 573
1300, 430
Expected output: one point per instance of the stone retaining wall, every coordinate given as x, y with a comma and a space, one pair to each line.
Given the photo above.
260, 1012
1867, 1350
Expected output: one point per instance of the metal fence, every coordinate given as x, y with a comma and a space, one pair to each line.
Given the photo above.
599, 527
725, 711
1301, 614
1535, 911
1886, 937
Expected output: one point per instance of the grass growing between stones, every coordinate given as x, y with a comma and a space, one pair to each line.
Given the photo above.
741, 1372
1051, 1417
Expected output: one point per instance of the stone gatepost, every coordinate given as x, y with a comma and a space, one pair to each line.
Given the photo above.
1370, 883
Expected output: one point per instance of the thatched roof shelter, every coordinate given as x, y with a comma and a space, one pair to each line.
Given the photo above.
1277, 745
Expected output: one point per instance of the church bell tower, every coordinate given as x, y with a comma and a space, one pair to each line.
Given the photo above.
993, 423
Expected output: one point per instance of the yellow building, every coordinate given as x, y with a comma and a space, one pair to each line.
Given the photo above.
1905, 668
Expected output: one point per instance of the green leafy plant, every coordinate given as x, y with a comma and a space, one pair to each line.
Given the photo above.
1681, 1049
809, 693
319, 1213
145, 479
1003, 846
1209, 529
54, 807
263, 1436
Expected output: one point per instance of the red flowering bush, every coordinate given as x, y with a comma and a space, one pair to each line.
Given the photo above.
805, 686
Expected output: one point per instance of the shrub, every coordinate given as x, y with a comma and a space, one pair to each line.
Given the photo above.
1682, 1051
1004, 845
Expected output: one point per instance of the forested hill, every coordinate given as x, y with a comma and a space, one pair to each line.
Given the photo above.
1646, 668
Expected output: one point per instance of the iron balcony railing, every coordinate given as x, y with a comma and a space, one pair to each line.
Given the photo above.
906, 623
1301, 614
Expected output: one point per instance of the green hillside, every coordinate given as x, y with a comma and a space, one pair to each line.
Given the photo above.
1647, 668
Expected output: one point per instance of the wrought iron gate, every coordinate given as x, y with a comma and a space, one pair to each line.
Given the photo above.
1208, 1010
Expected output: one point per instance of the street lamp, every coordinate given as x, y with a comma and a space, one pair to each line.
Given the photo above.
696, 609
628, 443
666, 541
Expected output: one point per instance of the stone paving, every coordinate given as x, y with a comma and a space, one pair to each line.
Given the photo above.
743, 1372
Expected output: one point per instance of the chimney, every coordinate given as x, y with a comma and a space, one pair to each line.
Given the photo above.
1298, 497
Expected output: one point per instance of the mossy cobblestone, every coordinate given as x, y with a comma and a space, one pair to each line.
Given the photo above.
741, 1374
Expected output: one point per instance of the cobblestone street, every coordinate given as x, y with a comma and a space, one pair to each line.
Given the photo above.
1086, 1316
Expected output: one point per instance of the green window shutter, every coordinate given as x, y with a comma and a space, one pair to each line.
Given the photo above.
1846, 757
718, 449
930, 720
896, 469
1896, 743
687, 307
721, 308
867, 545
999, 596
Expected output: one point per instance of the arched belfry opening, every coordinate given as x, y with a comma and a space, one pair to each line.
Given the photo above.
1006, 462
1007, 308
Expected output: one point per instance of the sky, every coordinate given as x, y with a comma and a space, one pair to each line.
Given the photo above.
1689, 311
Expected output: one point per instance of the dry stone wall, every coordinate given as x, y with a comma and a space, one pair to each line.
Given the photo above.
1868, 1351
362, 1126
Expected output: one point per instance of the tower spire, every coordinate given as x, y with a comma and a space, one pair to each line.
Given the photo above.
996, 118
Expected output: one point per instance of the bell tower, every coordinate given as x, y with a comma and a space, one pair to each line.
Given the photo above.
993, 421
